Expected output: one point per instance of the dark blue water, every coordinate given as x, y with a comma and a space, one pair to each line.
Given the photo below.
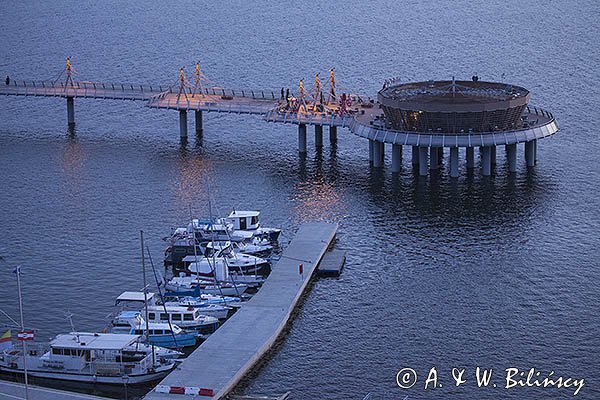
496, 273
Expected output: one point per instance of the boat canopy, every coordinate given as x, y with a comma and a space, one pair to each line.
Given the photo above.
134, 296
93, 341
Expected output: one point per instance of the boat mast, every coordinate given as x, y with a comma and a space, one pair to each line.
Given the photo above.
18, 272
146, 298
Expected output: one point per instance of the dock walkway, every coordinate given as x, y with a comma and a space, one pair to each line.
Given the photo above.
215, 367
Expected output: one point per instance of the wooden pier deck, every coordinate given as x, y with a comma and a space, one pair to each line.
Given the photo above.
215, 367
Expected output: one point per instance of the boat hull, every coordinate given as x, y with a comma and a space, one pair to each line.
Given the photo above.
134, 379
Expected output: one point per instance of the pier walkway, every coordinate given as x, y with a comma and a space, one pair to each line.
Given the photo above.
319, 105
215, 367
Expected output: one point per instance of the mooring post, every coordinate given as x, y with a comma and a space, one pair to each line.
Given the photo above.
333, 134
70, 111
396, 157
486, 160
454, 162
434, 162
530, 153
470, 157
302, 138
198, 121
511, 155
423, 167
415, 155
318, 136
183, 134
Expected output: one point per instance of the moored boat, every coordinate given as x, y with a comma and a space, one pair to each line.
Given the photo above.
155, 333
96, 358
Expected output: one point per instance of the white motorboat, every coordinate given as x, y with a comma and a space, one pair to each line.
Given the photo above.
188, 318
181, 286
212, 310
164, 334
96, 358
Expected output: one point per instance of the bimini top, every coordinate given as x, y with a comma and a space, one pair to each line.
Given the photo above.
241, 214
453, 96
93, 341
134, 297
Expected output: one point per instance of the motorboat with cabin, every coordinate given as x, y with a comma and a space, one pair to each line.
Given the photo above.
164, 334
181, 286
95, 358
248, 221
188, 318
241, 227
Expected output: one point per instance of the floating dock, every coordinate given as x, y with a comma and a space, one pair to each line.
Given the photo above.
13, 390
229, 354
332, 263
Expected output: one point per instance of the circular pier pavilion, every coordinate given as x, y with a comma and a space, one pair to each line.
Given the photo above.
433, 115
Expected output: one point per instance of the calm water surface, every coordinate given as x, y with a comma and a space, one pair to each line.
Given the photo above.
497, 273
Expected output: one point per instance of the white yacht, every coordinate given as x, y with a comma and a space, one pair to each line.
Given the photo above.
102, 358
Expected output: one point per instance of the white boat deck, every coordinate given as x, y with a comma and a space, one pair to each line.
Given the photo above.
229, 354
13, 390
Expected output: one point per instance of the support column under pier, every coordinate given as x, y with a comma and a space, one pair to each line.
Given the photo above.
198, 122
70, 111
396, 157
493, 155
183, 129
470, 157
454, 162
415, 155
511, 156
332, 134
377, 154
371, 145
434, 162
530, 153
302, 138
486, 160
318, 136
423, 161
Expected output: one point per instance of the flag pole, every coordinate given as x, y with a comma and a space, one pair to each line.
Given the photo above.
18, 272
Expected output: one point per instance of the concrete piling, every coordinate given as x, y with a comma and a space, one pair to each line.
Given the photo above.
530, 153
511, 155
377, 154
70, 111
434, 162
198, 122
470, 157
423, 167
454, 162
333, 134
318, 136
183, 129
302, 138
486, 160
415, 155
396, 157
